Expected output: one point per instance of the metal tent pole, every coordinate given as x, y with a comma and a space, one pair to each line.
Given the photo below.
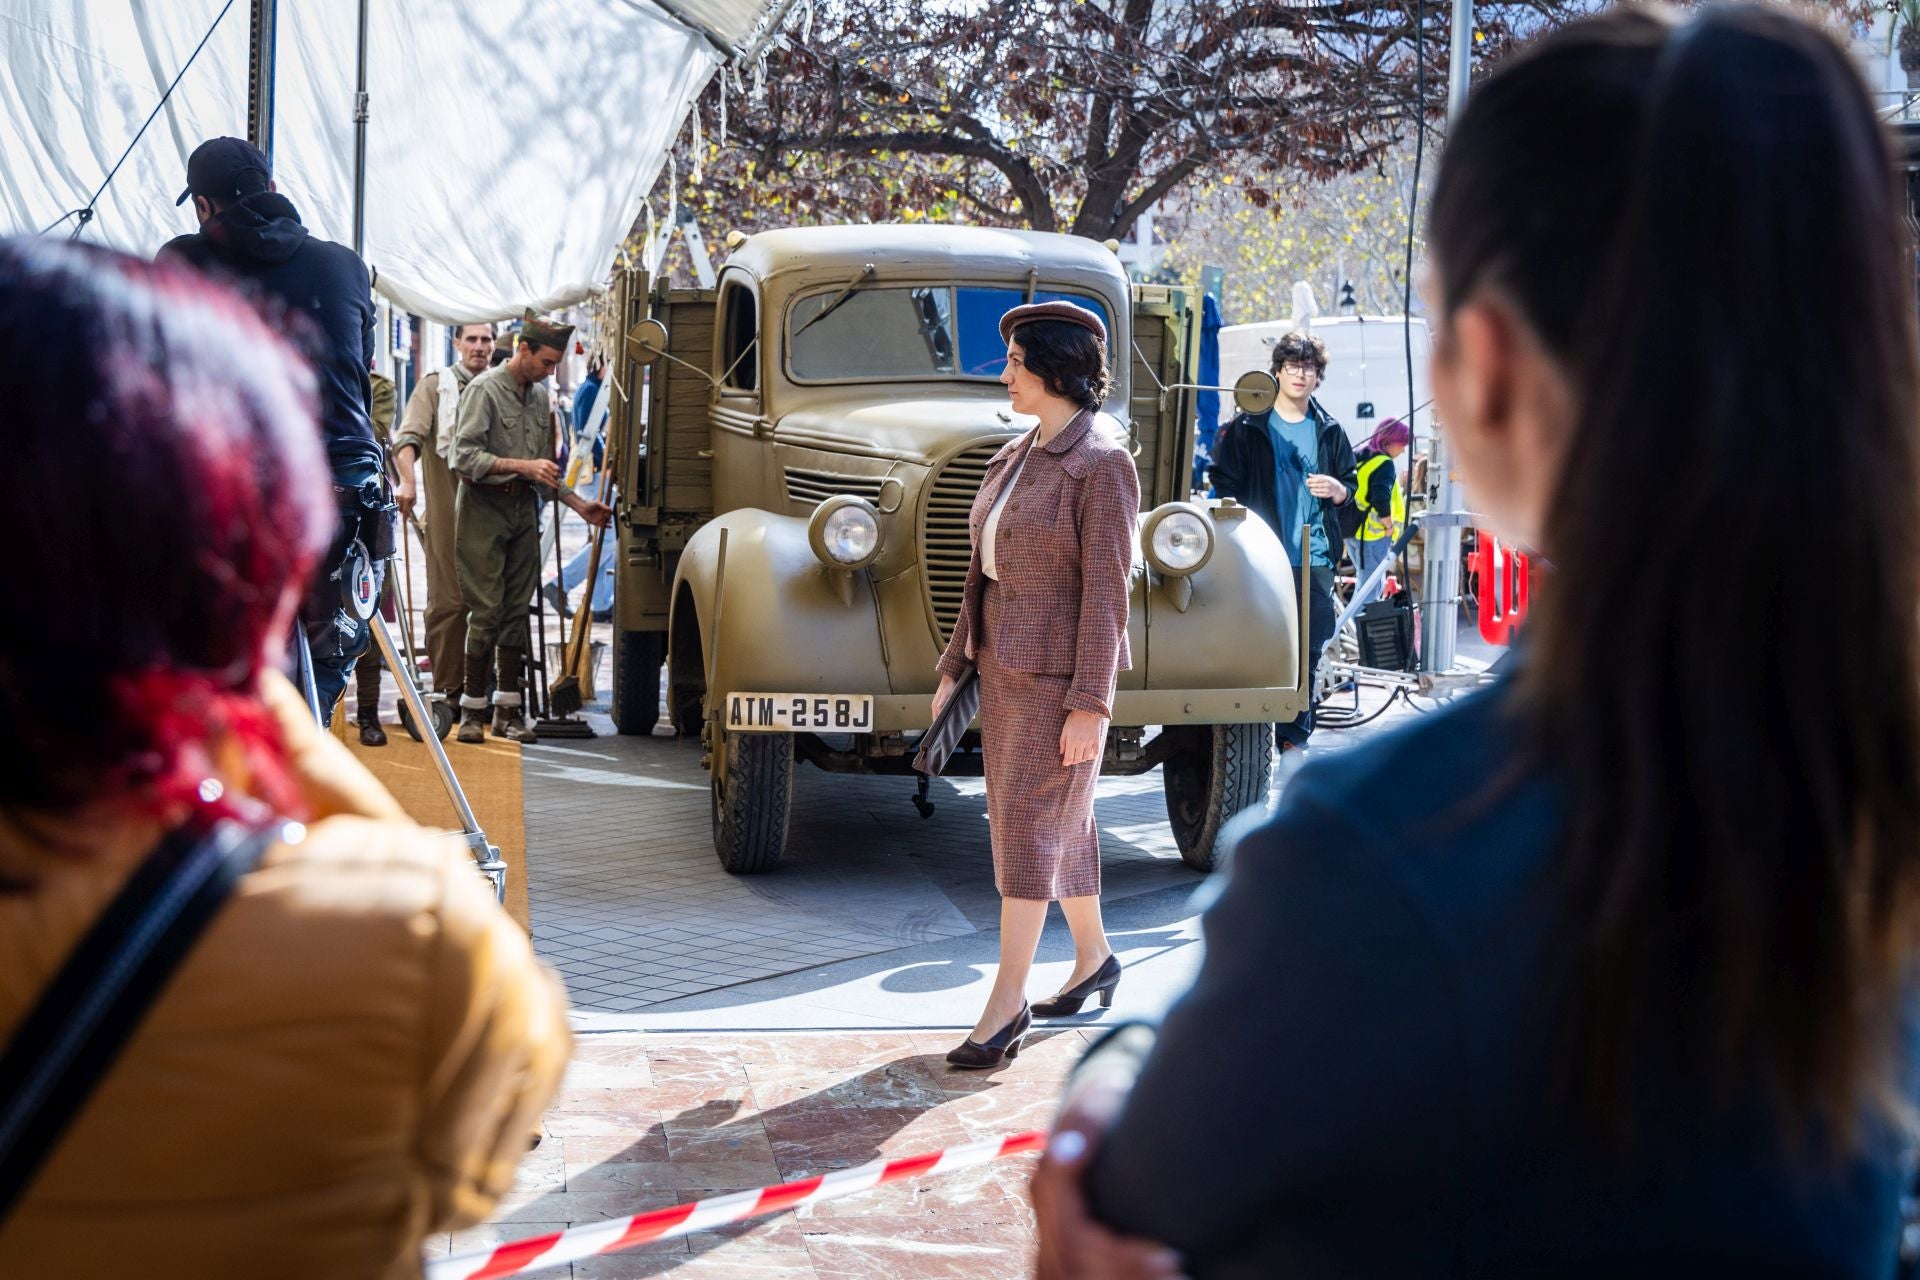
1440, 579
486, 854
260, 63
360, 141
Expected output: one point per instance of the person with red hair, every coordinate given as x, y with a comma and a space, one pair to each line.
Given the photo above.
1379, 506
357, 1049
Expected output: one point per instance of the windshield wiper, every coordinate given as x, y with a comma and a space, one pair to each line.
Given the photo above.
841, 297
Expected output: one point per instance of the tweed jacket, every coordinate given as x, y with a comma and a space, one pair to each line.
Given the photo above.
1065, 554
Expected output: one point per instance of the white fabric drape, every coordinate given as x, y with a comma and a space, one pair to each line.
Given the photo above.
508, 145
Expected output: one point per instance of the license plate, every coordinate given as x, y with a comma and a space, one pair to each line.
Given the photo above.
788, 712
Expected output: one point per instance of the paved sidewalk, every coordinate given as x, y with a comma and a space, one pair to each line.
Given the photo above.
631, 905
648, 1121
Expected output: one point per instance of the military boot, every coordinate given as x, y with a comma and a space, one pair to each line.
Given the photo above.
367, 680
509, 717
473, 699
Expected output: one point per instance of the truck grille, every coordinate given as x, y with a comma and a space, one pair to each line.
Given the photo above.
811, 488
946, 549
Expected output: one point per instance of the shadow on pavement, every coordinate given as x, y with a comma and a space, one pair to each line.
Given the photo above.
847, 1123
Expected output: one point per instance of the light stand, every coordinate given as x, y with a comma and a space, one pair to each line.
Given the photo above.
486, 855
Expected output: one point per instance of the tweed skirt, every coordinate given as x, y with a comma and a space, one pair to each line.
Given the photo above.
1039, 812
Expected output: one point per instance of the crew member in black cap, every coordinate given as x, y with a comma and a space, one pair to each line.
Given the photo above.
251, 235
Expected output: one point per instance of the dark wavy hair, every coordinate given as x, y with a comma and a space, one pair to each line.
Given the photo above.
1740, 877
1069, 358
1295, 347
165, 497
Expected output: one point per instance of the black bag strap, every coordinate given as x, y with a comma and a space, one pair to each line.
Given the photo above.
76, 1030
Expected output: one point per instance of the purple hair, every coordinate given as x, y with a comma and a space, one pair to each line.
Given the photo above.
1388, 434
165, 487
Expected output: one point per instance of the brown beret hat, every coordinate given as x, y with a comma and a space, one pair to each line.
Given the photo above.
1068, 312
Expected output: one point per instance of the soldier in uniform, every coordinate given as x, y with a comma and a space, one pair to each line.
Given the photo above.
503, 454
427, 434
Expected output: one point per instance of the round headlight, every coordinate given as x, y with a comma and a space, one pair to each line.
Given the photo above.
845, 532
1179, 539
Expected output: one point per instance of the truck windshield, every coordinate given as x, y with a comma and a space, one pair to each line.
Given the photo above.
930, 331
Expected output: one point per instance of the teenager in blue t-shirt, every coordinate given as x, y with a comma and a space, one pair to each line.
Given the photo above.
1293, 465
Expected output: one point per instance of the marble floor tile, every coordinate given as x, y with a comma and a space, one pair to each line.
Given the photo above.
718, 1113
718, 1265
808, 1140
996, 1192
635, 1146
909, 1082
651, 1177
1014, 1107
881, 1248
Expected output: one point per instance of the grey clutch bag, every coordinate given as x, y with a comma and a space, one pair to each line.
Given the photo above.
949, 726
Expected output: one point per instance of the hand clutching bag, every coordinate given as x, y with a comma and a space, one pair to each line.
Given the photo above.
943, 736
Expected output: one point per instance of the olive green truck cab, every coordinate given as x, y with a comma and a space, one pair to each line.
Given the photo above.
796, 455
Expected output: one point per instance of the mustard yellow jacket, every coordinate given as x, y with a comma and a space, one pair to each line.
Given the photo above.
356, 1054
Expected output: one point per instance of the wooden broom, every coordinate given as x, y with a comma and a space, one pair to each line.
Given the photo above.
575, 689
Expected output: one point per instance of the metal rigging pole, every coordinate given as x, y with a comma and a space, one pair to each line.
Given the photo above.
360, 103
260, 75
1440, 579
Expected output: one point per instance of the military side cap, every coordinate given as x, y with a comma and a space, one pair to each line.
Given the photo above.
536, 332
1066, 312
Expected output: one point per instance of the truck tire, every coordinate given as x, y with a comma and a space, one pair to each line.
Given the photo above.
1214, 772
752, 787
637, 656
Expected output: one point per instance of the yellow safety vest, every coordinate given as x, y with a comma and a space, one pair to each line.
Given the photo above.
1374, 530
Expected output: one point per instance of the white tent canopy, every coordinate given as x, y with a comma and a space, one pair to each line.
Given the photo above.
508, 145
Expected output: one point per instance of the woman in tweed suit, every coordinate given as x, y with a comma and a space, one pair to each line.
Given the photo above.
1044, 619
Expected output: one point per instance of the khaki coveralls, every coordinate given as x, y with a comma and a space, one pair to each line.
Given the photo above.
497, 547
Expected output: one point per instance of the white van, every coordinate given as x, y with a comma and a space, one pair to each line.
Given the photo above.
1366, 380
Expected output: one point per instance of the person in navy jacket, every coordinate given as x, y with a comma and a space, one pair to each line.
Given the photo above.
1607, 970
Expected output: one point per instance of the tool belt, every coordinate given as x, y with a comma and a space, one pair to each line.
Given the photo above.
511, 489
369, 516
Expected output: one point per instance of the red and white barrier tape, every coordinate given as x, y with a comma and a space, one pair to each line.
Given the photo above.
517, 1257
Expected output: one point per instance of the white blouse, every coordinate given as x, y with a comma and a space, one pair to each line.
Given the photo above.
990, 531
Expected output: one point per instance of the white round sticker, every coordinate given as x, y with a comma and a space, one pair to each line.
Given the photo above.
362, 588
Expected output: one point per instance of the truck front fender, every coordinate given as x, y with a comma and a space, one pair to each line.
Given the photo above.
785, 625
1241, 629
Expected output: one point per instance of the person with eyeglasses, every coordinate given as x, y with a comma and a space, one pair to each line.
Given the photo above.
1294, 466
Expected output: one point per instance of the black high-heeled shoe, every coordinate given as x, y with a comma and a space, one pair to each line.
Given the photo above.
1004, 1043
1105, 980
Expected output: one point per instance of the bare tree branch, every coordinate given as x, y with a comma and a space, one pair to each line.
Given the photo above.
1077, 112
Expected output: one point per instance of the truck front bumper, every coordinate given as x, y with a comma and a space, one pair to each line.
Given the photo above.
912, 713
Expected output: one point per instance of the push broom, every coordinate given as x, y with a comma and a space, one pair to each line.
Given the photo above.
574, 689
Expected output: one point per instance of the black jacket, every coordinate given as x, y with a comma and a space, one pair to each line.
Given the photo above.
259, 242
1242, 469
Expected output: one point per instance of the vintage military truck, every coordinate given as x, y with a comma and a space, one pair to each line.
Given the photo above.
795, 465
